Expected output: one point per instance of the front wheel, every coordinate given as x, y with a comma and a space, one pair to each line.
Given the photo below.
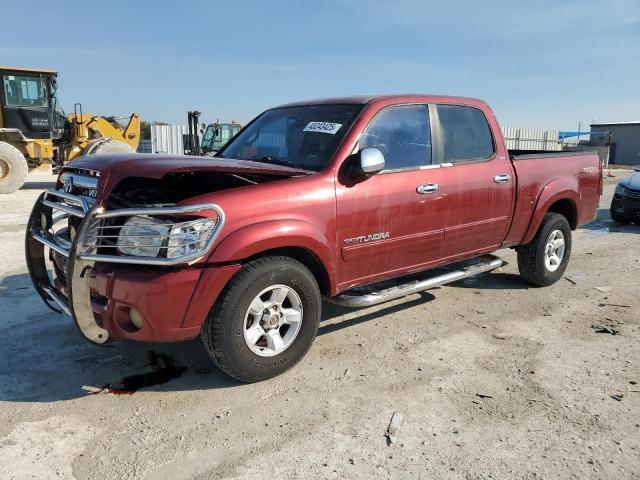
544, 260
265, 319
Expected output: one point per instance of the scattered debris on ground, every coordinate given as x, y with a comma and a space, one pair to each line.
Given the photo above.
617, 396
394, 428
605, 329
603, 289
93, 390
483, 395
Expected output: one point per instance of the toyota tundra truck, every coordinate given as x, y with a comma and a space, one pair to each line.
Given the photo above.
321, 199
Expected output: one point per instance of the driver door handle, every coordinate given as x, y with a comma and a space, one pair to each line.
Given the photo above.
427, 188
504, 178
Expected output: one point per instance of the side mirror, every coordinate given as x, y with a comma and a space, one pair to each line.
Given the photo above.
371, 161
637, 168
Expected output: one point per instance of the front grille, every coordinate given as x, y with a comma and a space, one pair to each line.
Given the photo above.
81, 183
630, 192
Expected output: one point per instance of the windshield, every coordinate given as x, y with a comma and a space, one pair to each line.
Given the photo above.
217, 134
304, 137
25, 91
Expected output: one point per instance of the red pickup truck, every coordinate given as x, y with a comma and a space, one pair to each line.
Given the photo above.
310, 200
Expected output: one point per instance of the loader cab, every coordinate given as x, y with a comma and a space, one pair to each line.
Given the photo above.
217, 135
28, 102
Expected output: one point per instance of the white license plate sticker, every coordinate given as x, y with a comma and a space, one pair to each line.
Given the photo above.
323, 127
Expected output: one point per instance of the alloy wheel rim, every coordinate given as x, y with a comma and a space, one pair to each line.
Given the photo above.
273, 320
554, 250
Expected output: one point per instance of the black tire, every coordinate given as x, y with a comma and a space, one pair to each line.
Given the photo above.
531, 257
616, 217
223, 331
107, 146
13, 168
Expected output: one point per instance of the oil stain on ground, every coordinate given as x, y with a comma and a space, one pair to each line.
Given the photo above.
163, 371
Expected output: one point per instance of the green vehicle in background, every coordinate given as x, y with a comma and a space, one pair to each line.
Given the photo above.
216, 135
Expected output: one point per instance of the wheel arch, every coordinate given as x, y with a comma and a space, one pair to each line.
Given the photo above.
560, 196
293, 238
304, 256
567, 208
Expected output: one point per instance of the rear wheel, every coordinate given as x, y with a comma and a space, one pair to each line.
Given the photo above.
544, 260
13, 168
265, 319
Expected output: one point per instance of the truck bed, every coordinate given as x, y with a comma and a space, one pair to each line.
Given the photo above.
576, 176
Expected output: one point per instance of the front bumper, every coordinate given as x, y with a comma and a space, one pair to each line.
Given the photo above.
626, 207
99, 291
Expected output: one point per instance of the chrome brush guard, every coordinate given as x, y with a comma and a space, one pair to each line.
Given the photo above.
82, 250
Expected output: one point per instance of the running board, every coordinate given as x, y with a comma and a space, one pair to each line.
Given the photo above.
482, 264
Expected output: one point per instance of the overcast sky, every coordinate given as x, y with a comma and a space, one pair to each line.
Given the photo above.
543, 64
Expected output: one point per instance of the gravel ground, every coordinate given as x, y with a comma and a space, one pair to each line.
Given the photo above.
493, 380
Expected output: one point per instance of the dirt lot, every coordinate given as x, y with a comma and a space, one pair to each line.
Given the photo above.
493, 380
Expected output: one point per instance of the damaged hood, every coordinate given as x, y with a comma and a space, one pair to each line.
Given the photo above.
156, 166
115, 167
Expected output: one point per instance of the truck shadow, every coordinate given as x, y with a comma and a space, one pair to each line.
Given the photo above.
43, 358
492, 281
331, 311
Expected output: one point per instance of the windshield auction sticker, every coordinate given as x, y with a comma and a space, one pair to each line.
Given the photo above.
323, 127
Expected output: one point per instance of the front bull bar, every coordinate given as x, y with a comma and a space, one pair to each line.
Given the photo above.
78, 302
80, 260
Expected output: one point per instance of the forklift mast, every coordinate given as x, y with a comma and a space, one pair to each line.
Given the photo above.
191, 140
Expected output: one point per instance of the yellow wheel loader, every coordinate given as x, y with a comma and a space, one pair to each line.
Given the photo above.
36, 133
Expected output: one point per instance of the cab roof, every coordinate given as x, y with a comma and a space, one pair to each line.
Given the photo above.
393, 98
27, 70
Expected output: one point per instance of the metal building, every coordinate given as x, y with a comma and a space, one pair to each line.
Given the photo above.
623, 139
168, 139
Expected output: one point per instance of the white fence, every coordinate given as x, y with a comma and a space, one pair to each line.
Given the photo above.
168, 139
531, 139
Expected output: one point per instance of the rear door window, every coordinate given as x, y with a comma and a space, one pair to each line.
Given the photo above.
402, 135
464, 133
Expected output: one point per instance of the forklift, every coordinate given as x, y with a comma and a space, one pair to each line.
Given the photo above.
214, 136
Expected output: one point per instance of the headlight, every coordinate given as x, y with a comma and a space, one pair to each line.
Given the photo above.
151, 237
189, 237
143, 236
619, 189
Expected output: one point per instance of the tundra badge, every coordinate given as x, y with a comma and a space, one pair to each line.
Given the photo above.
367, 238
